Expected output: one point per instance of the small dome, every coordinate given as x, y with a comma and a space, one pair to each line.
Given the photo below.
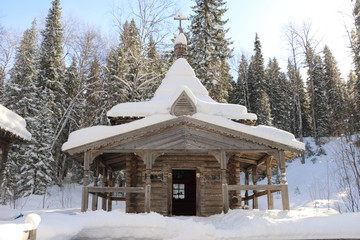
180, 39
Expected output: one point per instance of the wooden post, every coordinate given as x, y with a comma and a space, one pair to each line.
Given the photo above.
225, 192
149, 158
86, 181
85, 199
105, 182
148, 191
247, 176
270, 198
284, 191
109, 202
255, 179
198, 187
95, 195
4, 150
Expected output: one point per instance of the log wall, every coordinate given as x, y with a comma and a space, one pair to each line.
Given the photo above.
208, 180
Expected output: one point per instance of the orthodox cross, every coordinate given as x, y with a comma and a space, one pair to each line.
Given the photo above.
180, 17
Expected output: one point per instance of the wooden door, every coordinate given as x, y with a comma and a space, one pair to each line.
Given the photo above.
184, 192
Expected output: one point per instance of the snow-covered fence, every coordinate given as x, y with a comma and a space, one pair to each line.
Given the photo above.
22, 231
32, 221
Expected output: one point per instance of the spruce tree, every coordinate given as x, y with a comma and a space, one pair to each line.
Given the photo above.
258, 87
300, 114
51, 82
209, 49
240, 91
317, 91
155, 68
356, 54
278, 91
31, 162
334, 93
94, 100
351, 106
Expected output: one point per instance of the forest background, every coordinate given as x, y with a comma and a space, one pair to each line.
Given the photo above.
61, 75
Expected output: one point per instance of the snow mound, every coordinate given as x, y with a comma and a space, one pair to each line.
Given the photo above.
13, 123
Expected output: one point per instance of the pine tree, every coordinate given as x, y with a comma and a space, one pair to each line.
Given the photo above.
94, 100
279, 95
257, 86
335, 94
51, 82
356, 54
155, 69
52, 66
115, 76
130, 43
300, 114
351, 116
317, 91
209, 49
240, 92
29, 165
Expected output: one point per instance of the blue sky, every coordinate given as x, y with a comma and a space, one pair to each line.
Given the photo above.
246, 17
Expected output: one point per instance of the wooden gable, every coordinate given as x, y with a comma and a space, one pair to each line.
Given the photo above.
183, 106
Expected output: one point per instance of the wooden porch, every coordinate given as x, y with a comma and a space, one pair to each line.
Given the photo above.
232, 195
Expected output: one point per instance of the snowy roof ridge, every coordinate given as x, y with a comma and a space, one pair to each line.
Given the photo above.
179, 77
13, 123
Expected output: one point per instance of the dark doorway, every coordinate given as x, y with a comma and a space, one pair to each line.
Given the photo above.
184, 192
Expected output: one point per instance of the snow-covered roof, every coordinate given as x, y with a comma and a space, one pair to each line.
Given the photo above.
180, 77
97, 133
13, 123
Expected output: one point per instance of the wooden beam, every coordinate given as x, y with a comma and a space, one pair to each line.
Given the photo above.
182, 151
263, 160
116, 189
118, 198
255, 187
244, 160
258, 194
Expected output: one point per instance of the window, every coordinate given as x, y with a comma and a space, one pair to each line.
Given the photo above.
179, 191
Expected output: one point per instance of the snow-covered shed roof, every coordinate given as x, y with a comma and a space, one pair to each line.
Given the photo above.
13, 123
180, 77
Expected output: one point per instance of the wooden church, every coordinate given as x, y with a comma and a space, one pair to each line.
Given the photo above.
181, 153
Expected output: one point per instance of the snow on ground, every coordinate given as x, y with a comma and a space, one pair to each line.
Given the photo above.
314, 199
